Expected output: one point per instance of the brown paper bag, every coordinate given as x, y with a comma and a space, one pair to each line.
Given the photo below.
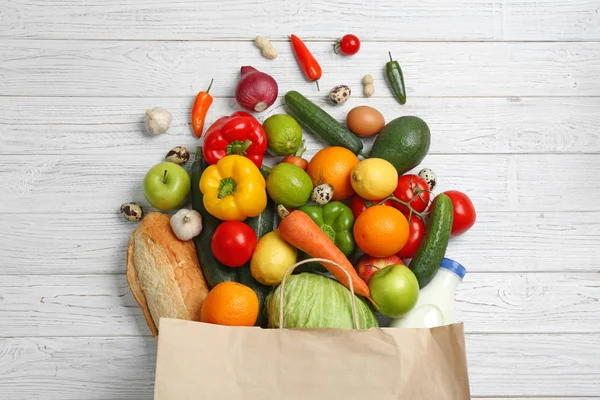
204, 361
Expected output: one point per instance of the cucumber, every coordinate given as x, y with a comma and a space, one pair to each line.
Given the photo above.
431, 251
320, 123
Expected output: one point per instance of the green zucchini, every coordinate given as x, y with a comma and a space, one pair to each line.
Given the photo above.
320, 123
215, 272
431, 251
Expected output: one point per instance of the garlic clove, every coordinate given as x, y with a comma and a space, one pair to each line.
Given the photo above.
157, 121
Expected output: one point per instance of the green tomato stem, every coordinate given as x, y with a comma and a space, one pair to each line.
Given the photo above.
407, 205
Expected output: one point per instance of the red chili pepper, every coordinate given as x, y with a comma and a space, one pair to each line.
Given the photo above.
200, 109
240, 133
308, 63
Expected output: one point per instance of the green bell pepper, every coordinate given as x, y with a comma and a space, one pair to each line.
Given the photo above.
336, 220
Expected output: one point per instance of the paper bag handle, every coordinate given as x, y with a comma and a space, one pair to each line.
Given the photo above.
321, 260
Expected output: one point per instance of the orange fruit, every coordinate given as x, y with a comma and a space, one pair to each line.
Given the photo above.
381, 231
230, 303
333, 165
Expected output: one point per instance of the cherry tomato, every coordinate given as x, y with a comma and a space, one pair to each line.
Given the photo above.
358, 204
464, 212
412, 187
233, 243
415, 235
297, 161
348, 45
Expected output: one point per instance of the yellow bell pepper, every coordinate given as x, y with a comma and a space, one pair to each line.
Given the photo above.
233, 189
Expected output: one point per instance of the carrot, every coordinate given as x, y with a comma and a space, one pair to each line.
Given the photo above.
300, 231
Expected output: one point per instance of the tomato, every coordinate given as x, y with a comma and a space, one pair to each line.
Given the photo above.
348, 45
464, 212
412, 187
415, 235
358, 204
297, 161
233, 243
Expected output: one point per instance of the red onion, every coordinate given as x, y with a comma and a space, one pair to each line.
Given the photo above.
256, 91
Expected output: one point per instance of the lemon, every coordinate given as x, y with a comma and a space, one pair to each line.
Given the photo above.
284, 135
271, 258
374, 179
289, 185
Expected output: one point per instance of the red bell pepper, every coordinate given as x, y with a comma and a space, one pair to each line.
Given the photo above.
240, 133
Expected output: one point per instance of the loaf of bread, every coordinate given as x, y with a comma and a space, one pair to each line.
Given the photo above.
163, 272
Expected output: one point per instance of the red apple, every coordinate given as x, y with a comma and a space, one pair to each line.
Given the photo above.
367, 266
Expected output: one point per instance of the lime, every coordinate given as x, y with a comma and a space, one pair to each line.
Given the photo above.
284, 134
289, 185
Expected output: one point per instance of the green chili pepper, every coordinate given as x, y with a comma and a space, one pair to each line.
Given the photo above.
395, 79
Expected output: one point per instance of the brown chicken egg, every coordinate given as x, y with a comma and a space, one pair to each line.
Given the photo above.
365, 121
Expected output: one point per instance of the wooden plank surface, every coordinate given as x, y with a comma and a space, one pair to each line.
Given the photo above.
67, 126
101, 305
100, 184
241, 20
180, 68
75, 368
93, 243
509, 88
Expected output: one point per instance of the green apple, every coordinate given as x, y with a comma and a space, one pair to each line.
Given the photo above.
395, 289
166, 186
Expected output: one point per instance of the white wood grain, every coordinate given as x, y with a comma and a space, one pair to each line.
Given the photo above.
77, 368
389, 20
93, 243
123, 368
163, 69
515, 125
102, 305
534, 365
100, 184
63, 125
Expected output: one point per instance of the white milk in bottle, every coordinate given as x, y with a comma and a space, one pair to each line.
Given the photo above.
435, 306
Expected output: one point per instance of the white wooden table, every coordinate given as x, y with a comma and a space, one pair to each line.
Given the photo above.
510, 89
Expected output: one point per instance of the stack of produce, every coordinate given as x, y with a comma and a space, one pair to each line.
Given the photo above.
223, 260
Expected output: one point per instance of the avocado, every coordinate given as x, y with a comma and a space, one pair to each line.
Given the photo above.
403, 142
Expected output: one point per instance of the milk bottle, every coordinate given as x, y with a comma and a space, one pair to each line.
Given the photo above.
435, 306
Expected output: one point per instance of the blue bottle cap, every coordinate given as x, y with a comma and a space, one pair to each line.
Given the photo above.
453, 266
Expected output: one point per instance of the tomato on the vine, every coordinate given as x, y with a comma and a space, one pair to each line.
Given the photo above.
233, 243
415, 236
464, 212
358, 204
348, 45
414, 190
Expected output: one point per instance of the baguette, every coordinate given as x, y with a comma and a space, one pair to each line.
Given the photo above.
163, 272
